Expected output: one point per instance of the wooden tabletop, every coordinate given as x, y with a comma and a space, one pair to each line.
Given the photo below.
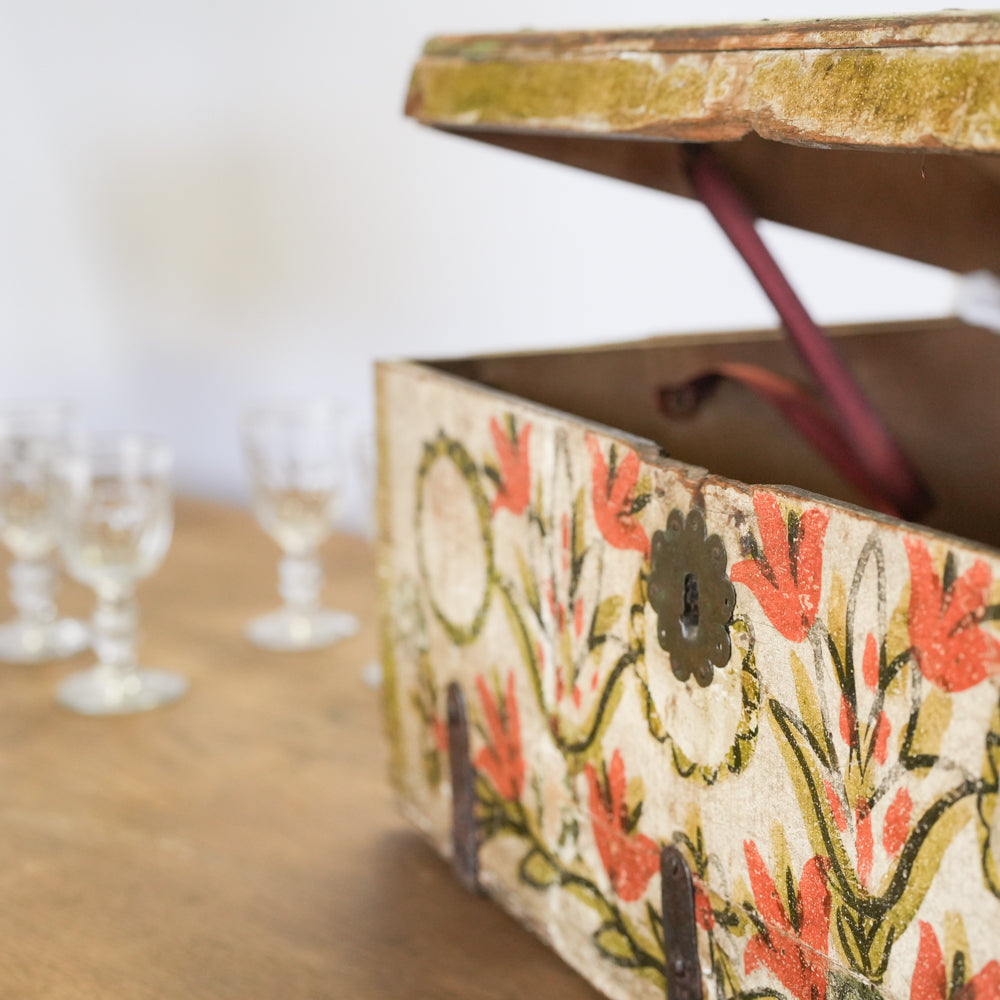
241, 843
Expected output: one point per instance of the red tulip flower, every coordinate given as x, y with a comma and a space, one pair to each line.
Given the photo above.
501, 759
951, 649
786, 577
614, 499
795, 946
630, 859
930, 976
514, 486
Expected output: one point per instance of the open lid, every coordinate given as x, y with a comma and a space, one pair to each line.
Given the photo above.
825, 125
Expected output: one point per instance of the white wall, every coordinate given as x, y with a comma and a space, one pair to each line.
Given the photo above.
205, 202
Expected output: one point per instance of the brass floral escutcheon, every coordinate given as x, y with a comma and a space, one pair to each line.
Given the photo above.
692, 596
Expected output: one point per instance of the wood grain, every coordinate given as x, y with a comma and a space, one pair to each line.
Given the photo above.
955, 27
242, 842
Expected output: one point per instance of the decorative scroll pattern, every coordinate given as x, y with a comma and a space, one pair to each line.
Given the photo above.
832, 782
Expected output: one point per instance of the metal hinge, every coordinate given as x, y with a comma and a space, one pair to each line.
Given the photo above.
680, 936
464, 829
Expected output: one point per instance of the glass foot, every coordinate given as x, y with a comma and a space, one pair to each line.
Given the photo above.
100, 691
28, 642
286, 630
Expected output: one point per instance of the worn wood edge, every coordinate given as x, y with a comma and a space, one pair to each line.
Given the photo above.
940, 98
701, 478
647, 450
391, 710
943, 28
734, 336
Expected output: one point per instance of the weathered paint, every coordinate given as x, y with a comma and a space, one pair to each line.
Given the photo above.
898, 97
838, 777
603, 94
833, 788
946, 28
908, 97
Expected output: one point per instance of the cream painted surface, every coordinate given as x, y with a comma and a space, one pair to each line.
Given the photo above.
763, 798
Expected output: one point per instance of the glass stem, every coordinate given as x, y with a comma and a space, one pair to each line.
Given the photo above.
115, 629
300, 581
31, 590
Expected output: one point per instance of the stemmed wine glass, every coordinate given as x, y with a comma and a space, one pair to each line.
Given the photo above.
33, 439
294, 454
117, 522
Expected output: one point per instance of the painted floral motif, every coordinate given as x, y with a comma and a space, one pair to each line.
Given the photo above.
513, 481
931, 980
501, 758
569, 614
793, 936
449, 456
427, 700
949, 645
630, 858
711, 736
786, 570
614, 498
572, 634
868, 741
855, 648
987, 807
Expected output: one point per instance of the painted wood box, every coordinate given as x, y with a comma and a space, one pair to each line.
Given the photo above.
659, 661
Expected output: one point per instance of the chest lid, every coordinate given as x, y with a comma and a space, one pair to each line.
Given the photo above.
883, 132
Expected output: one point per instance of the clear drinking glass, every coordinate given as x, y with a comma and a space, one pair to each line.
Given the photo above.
33, 439
294, 453
116, 528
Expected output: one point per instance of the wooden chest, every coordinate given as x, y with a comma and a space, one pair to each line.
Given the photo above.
707, 736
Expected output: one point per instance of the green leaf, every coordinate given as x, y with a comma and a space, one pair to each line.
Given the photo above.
492, 473
950, 571
812, 716
538, 870
919, 861
530, 585
606, 615
655, 924
987, 806
640, 501
793, 535
417, 701
844, 986
803, 760
432, 767
615, 945
634, 816
484, 788
523, 641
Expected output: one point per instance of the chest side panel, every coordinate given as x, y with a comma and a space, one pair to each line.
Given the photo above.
799, 697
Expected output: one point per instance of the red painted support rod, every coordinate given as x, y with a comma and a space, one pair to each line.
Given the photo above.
876, 451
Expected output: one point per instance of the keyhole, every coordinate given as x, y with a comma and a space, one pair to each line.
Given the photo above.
690, 614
